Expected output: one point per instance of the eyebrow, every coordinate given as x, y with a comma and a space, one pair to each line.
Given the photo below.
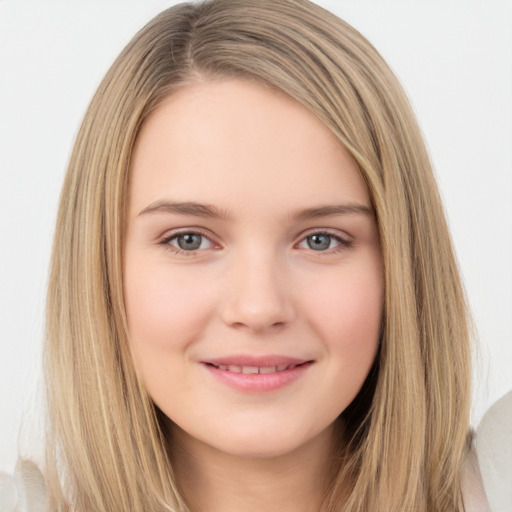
186, 208
335, 209
207, 210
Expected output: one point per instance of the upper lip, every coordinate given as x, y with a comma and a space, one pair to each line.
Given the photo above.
255, 361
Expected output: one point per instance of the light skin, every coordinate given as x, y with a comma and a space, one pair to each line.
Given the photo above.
251, 237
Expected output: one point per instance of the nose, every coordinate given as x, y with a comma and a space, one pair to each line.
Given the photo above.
258, 295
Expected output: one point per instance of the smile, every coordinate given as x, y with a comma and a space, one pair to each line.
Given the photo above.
257, 375
247, 370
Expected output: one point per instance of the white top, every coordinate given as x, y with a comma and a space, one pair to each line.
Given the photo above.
494, 449
486, 483
24, 491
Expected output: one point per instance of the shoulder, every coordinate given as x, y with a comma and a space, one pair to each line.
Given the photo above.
494, 452
24, 491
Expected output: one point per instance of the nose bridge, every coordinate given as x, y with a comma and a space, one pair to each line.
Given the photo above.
258, 294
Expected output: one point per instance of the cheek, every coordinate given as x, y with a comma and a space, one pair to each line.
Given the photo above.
164, 308
347, 311
167, 312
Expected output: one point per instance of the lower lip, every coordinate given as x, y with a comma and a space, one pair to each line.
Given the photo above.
258, 382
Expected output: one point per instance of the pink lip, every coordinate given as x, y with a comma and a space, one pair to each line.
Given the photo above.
246, 360
257, 382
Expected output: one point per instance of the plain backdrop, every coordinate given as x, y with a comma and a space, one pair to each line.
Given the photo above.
454, 59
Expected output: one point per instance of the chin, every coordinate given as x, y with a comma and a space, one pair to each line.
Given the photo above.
258, 441
262, 448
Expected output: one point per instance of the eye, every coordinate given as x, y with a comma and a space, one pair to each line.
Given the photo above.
323, 242
188, 241
320, 242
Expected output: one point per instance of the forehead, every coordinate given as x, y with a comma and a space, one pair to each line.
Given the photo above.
231, 140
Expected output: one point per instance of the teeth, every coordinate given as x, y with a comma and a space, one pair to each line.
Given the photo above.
248, 370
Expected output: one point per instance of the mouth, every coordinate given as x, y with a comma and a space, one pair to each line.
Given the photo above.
249, 370
257, 374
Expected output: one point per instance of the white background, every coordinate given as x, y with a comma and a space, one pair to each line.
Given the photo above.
453, 57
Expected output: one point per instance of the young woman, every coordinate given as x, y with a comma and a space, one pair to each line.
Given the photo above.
254, 302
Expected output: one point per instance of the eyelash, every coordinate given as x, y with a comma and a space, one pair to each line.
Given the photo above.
343, 243
166, 242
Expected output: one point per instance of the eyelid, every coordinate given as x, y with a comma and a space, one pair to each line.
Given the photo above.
170, 235
335, 233
344, 239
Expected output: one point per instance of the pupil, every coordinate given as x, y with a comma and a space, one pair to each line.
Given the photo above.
319, 242
189, 241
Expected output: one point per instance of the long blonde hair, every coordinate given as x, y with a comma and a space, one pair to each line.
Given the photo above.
407, 429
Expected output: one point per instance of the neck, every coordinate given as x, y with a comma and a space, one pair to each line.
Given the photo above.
214, 481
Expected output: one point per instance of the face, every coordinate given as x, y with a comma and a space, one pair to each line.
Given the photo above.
252, 274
